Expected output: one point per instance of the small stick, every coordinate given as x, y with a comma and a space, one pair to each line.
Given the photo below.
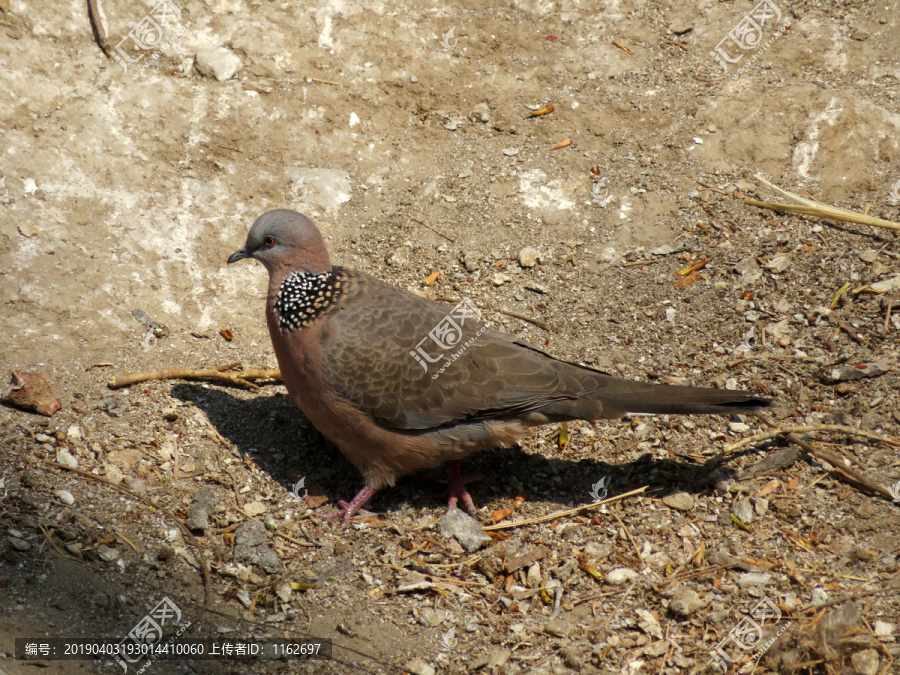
628, 534
622, 47
98, 25
732, 364
316, 79
837, 428
677, 44
832, 459
640, 262
710, 187
175, 453
422, 222
566, 512
536, 322
240, 377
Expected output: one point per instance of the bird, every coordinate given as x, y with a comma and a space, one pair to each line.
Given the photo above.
401, 383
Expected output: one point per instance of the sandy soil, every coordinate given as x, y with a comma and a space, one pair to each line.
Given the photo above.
405, 131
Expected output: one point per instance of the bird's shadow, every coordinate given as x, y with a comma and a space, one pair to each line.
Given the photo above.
282, 442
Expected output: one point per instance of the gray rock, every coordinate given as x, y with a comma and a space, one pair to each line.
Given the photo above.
205, 501
754, 579
480, 113
855, 371
217, 63
114, 406
108, 553
464, 528
557, 628
681, 501
744, 511
529, 256
65, 497
66, 457
866, 662
19, 544
251, 546
779, 264
397, 258
620, 575
685, 602
749, 271
418, 667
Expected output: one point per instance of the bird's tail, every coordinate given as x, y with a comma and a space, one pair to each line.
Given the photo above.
660, 399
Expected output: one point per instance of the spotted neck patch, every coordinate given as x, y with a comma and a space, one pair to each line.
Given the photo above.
304, 296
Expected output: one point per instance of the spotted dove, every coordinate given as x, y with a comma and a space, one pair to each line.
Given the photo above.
401, 383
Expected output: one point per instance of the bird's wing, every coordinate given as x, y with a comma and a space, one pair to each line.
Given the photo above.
378, 349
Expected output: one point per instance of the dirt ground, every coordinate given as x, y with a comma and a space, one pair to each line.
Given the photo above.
405, 131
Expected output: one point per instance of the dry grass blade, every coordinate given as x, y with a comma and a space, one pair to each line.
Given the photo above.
837, 428
242, 377
810, 207
566, 512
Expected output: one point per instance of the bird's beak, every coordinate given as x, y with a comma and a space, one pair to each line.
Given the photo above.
240, 254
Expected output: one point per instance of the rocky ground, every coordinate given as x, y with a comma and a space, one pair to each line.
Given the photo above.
406, 131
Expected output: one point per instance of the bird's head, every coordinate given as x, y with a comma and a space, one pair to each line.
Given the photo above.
285, 240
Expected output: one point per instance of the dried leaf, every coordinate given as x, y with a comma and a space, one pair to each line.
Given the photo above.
431, 278
693, 267
227, 334
769, 487
500, 514
562, 438
738, 522
563, 143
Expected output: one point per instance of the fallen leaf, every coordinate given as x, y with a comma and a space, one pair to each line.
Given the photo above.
546, 110
431, 278
563, 143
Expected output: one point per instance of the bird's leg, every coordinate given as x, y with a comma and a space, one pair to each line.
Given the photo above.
347, 510
456, 487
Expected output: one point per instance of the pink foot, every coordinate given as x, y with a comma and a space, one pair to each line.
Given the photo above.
456, 487
347, 510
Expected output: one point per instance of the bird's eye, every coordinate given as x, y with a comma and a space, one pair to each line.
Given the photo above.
269, 241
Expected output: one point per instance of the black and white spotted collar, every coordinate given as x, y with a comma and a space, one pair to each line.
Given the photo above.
304, 296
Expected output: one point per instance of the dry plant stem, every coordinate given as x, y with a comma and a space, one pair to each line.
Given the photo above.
241, 377
566, 512
184, 530
436, 231
826, 456
837, 428
628, 534
536, 322
769, 357
814, 208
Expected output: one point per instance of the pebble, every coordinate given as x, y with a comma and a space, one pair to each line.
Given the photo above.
66, 457
108, 553
510, 152
251, 546
205, 501
779, 264
738, 427
218, 63
499, 279
557, 628
464, 528
753, 579
536, 287
254, 508
884, 629
244, 597
418, 667
43, 438
819, 596
744, 511
866, 662
113, 406
73, 433
529, 256
685, 602
65, 497
413, 79
620, 575
682, 501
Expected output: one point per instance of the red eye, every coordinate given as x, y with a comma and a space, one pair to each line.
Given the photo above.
269, 241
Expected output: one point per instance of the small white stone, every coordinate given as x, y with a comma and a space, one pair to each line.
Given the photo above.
884, 629
73, 433
620, 575
65, 497
218, 63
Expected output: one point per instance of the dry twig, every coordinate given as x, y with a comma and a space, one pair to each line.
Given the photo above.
436, 231
565, 512
240, 377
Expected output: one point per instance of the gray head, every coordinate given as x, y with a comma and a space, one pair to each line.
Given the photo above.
285, 240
